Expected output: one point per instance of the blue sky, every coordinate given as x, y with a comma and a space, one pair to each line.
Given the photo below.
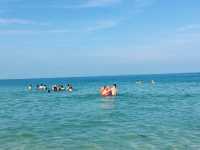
98, 37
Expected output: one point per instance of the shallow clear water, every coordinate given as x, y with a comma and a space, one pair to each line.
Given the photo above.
161, 116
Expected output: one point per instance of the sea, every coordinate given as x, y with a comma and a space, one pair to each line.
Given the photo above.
144, 116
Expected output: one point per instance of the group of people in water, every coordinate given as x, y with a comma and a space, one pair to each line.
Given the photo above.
59, 87
104, 91
55, 88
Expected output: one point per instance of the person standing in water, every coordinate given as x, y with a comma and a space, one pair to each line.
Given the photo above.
114, 90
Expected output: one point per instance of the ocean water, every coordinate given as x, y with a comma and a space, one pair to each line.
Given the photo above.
165, 115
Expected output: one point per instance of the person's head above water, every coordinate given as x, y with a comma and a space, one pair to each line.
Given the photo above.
115, 85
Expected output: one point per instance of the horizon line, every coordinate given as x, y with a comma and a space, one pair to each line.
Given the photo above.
93, 76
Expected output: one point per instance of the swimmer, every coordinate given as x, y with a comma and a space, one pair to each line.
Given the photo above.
29, 87
53, 88
62, 88
45, 87
69, 88
139, 82
153, 82
41, 87
59, 87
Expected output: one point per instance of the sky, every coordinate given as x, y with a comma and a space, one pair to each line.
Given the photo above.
98, 37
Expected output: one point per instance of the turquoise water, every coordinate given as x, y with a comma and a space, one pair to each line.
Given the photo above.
150, 117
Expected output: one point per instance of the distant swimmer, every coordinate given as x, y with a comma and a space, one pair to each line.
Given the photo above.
57, 88
62, 88
54, 88
153, 82
42, 87
29, 87
69, 88
139, 82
